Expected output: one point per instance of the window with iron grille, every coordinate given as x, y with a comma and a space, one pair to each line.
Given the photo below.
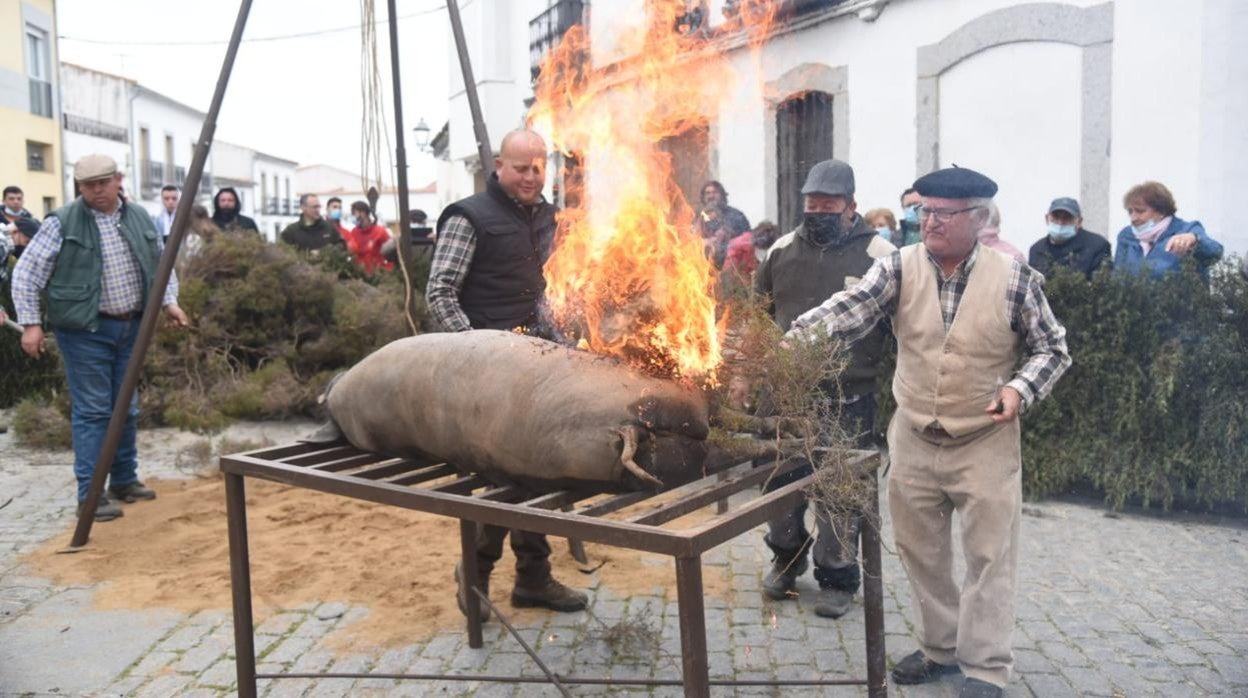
803, 138
38, 156
39, 72
546, 29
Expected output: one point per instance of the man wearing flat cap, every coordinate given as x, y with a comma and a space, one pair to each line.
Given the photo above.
95, 258
976, 345
831, 249
1067, 244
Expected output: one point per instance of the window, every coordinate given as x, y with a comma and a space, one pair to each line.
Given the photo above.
169, 161
803, 138
38, 71
49, 205
38, 156
690, 151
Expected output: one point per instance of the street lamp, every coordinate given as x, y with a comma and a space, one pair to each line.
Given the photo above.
422, 136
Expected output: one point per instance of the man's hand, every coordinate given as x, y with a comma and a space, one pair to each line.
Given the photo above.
177, 315
32, 341
1005, 407
1181, 244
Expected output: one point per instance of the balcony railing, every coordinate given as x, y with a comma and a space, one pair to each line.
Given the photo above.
151, 177
99, 129
548, 28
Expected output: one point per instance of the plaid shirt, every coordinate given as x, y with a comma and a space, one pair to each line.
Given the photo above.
457, 242
121, 285
852, 313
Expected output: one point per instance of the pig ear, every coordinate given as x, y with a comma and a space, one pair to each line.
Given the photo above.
628, 449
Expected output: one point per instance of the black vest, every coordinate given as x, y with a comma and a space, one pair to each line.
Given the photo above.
804, 275
504, 282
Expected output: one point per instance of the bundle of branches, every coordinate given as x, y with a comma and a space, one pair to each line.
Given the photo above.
794, 387
271, 326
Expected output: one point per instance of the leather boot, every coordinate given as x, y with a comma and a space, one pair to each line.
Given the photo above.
549, 594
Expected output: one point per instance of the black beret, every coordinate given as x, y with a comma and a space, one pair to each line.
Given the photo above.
955, 183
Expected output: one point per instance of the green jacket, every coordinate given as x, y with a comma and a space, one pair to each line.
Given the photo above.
74, 288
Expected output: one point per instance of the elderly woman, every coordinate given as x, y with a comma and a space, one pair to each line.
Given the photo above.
1157, 240
884, 222
990, 235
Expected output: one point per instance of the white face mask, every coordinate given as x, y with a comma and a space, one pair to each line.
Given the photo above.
11, 212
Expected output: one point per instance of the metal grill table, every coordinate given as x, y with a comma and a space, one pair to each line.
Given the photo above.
442, 489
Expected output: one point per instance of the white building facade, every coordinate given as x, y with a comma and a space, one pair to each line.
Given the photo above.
95, 119
1081, 98
163, 134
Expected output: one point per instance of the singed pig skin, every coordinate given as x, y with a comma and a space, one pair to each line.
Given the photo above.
521, 409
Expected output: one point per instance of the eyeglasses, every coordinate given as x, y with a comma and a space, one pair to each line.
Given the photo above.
942, 216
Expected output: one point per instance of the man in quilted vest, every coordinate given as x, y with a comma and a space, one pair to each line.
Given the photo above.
976, 345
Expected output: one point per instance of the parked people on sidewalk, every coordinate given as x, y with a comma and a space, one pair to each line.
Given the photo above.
1157, 240
976, 344
990, 235
487, 274
96, 288
883, 222
829, 251
366, 239
19, 223
225, 212
333, 214
169, 195
717, 222
311, 232
1067, 244
908, 228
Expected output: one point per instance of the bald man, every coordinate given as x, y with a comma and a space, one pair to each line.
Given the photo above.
487, 274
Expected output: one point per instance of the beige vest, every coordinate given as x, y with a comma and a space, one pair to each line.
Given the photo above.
948, 379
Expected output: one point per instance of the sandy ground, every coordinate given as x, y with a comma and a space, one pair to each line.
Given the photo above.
309, 547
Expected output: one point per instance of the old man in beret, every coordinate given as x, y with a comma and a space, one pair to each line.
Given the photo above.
976, 345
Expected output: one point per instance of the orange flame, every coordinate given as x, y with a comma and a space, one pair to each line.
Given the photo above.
629, 276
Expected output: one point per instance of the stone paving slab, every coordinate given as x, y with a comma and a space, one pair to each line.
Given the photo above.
1121, 605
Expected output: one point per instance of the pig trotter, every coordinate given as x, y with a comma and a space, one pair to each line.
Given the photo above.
629, 449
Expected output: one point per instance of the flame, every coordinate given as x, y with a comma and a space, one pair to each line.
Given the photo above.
629, 276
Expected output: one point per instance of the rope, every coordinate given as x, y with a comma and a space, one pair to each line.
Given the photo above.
376, 133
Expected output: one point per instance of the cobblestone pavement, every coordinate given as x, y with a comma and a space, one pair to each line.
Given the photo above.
1108, 605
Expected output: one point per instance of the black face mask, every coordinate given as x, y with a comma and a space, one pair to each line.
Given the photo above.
822, 228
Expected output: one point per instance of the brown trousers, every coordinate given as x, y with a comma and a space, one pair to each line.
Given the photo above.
978, 476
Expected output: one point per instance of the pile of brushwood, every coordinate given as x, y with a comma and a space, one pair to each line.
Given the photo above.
271, 325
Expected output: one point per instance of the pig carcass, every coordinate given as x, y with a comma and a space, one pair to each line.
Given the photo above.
524, 410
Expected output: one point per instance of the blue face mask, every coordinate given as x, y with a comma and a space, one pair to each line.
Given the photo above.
1144, 229
335, 214
1061, 233
351, 220
912, 215
884, 233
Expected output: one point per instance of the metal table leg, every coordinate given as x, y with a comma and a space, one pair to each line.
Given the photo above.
468, 579
692, 627
873, 595
240, 584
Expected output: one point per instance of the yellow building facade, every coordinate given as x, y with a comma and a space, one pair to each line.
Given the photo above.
30, 110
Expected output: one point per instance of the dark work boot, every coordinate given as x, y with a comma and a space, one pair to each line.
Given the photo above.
132, 493
917, 668
459, 594
833, 603
549, 594
105, 509
780, 582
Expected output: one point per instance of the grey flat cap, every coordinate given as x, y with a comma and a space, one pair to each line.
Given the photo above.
1066, 204
831, 177
96, 166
